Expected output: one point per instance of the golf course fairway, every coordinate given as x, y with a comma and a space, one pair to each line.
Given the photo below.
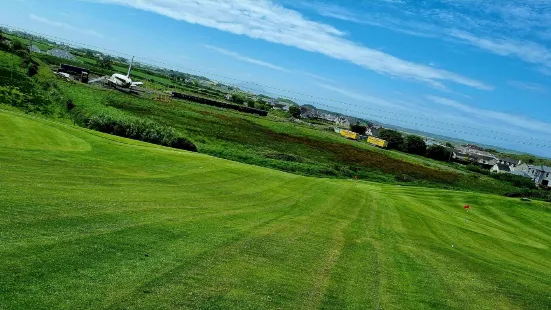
95, 221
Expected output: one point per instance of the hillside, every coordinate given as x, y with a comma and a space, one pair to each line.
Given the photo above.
275, 142
95, 221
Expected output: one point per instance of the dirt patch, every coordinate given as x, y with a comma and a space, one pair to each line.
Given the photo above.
374, 160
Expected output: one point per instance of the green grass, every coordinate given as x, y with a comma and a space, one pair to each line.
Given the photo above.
272, 142
137, 75
268, 141
41, 45
80, 210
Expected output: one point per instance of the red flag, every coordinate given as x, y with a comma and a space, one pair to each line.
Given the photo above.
467, 207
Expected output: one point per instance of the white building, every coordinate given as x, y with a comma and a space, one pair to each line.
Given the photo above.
501, 168
540, 174
509, 162
342, 122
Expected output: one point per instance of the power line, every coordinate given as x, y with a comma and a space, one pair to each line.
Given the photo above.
412, 123
149, 61
432, 127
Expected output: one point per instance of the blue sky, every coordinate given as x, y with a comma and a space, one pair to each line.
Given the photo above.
477, 70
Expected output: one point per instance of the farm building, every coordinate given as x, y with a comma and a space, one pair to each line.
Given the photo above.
63, 54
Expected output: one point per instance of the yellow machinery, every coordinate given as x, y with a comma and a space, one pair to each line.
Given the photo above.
350, 134
377, 142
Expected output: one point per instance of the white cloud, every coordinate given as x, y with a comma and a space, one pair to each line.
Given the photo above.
263, 19
363, 97
525, 50
52, 23
315, 76
491, 25
533, 87
264, 63
517, 120
246, 59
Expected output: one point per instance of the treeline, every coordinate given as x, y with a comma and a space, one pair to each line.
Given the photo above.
249, 102
414, 145
515, 180
219, 104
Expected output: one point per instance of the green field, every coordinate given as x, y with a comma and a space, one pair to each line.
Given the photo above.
95, 221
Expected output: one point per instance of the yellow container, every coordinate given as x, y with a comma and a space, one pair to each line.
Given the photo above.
376, 141
350, 134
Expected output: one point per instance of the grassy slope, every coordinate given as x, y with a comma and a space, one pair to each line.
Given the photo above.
80, 209
251, 139
42, 46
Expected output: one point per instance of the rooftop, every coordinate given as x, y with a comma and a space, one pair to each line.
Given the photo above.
503, 167
61, 54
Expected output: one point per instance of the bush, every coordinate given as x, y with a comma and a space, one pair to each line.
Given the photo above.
137, 129
534, 194
438, 152
183, 144
477, 169
515, 180
70, 105
284, 157
403, 178
358, 129
394, 138
415, 145
32, 66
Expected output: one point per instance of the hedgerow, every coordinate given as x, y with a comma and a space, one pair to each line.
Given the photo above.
143, 129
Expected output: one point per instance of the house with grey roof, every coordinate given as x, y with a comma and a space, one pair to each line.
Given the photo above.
541, 175
63, 54
500, 168
509, 161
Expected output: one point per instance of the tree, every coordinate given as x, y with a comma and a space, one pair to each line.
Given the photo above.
32, 68
449, 144
250, 103
3, 45
415, 145
394, 138
89, 53
19, 48
438, 152
17, 45
262, 106
294, 111
285, 100
105, 63
358, 129
238, 99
